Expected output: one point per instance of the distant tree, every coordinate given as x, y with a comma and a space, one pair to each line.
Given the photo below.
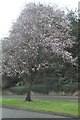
79, 51
0, 65
73, 16
39, 37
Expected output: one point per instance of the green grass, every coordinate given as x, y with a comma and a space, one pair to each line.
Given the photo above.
70, 108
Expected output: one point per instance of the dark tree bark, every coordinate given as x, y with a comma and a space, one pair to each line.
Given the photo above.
29, 84
28, 95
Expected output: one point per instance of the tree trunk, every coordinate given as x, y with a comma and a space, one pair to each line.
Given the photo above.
28, 95
29, 84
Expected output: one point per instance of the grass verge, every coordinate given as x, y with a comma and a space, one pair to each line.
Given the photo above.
68, 108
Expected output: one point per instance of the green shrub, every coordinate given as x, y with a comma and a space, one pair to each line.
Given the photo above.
35, 88
71, 87
18, 90
45, 89
40, 89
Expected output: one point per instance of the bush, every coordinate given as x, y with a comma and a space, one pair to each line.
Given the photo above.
45, 89
40, 89
20, 90
71, 87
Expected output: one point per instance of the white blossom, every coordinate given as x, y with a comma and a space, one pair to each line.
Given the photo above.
37, 27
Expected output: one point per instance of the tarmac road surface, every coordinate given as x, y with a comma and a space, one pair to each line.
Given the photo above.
14, 113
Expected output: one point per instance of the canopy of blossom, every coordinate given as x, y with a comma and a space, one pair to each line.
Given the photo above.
39, 34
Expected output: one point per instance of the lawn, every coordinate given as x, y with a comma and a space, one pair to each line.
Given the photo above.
69, 108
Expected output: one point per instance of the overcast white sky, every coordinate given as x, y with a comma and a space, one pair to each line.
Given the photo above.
10, 9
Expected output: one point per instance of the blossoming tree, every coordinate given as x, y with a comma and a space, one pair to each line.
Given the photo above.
40, 33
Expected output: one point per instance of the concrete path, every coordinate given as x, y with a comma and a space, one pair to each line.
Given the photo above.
13, 113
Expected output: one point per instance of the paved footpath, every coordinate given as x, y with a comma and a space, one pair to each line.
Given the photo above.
14, 113
45, 97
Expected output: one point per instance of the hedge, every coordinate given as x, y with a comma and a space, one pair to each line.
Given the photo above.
45, 89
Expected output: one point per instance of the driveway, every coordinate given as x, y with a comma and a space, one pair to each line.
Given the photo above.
13, 113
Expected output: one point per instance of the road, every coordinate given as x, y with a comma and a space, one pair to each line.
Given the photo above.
41, 97
13, 113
